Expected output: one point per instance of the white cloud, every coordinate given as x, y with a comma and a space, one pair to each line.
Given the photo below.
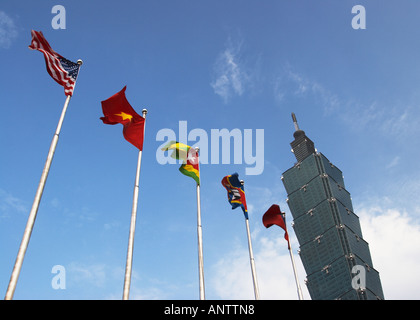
394, 242
8, 30
229, 77
231, 276
276, 272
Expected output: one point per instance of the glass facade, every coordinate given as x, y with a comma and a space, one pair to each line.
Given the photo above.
328, 231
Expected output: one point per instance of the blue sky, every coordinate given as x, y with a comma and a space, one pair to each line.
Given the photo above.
242, 65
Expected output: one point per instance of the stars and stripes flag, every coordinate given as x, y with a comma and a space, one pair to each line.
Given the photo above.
63, 71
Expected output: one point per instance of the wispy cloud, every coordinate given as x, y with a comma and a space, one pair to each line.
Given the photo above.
9, 204
8, 30
394, 162
229, 75
108, 278
397, 120
92, 275
394, 120
291, 83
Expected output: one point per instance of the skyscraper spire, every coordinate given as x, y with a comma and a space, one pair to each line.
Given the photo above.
295, 121
302, 146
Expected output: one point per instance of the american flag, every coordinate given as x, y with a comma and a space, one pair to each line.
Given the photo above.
60, 69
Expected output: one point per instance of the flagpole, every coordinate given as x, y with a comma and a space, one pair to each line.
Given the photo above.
200, 241
35, 205
289, 246
299, 290
130, 247
251, 258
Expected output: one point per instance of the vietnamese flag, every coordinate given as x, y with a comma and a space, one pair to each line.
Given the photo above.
275, 216
117, 109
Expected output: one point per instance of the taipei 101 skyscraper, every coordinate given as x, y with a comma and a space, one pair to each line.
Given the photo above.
334, 254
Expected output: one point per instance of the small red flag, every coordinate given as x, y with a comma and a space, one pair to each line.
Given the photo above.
275, 216
117, 109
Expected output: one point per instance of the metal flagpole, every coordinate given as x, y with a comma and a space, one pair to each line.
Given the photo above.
251, 258
200, 241
299, 290
129, 263
35, 205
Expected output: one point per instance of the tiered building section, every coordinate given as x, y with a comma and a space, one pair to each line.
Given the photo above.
335, 256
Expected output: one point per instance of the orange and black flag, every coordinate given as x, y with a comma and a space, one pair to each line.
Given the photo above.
117, 109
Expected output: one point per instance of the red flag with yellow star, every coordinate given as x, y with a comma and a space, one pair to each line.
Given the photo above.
117, 109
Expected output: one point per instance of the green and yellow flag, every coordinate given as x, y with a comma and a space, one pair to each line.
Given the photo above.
189, 156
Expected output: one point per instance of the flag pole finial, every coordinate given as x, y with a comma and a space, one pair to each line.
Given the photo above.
80, 62
242, 182
144, 111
